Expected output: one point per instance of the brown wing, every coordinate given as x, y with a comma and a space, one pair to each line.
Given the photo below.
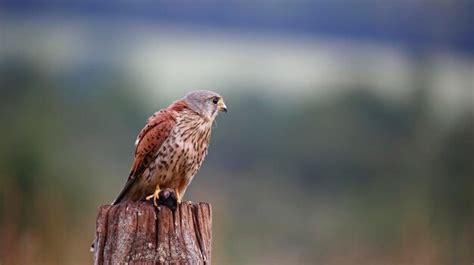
148, 142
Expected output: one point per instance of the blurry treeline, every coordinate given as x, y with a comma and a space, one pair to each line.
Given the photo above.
348, 178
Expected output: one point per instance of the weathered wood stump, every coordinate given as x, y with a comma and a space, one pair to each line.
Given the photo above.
131, 233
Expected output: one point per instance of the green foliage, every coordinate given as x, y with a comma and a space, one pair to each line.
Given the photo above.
324, 174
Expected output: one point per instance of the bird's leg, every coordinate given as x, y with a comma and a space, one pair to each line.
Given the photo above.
178, 195
155, 195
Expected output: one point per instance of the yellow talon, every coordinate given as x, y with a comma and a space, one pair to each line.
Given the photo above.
154, 196
178, 196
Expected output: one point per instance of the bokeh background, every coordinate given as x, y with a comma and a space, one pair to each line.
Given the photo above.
350, 136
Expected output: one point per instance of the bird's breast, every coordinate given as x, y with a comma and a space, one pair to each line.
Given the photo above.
182, 154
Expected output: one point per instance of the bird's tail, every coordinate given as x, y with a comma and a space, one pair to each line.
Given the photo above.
125, 193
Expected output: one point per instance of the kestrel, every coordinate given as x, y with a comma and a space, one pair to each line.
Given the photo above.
172, 146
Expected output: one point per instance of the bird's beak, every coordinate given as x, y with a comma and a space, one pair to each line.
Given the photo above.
221, 106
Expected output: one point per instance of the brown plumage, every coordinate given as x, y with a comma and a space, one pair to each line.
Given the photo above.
172, 146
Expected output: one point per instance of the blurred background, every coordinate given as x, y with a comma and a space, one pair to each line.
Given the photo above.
350, 136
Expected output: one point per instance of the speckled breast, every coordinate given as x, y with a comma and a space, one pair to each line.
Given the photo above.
182, 154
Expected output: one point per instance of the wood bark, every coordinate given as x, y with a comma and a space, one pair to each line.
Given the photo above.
139, 233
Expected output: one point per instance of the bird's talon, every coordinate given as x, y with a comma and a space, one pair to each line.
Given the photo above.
155, 197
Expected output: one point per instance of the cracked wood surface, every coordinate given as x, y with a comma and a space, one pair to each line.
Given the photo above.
131, 233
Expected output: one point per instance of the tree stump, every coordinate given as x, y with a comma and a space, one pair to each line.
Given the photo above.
131, 233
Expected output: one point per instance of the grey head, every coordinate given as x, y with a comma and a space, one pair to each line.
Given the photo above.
206, 103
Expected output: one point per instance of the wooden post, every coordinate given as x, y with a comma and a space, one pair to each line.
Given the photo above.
131, 233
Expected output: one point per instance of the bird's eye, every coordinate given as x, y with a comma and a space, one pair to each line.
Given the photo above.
215, 100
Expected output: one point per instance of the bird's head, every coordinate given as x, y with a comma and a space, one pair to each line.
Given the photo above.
206, 103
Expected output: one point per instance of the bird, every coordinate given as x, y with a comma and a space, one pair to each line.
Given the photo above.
171, 147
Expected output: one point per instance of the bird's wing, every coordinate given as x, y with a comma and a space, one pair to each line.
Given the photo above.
148, 142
